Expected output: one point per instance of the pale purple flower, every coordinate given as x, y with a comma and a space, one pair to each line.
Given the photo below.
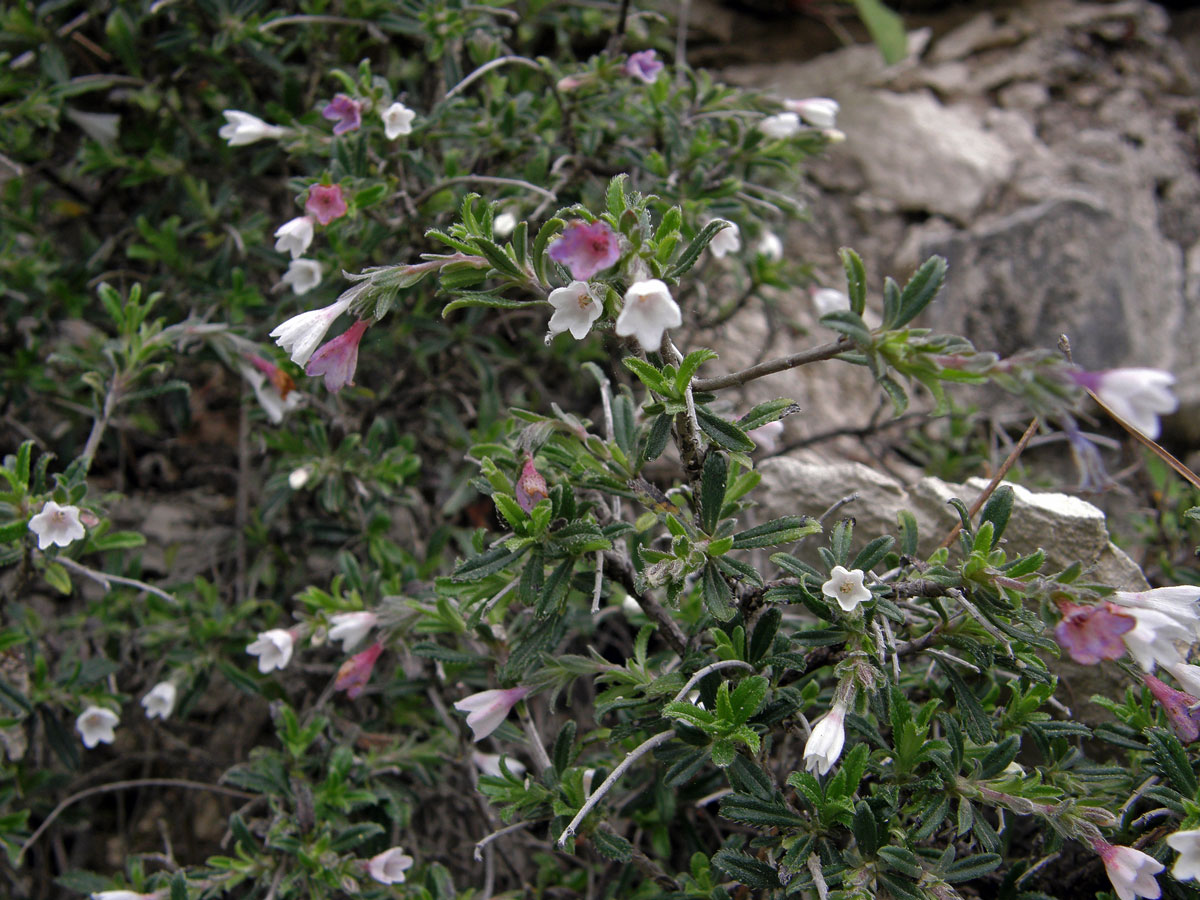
338, 359
294, 236
531, 486
355, 672
303, 275
397, 120
1130, 871
241, 128
350, 628
780, 126
1179, 707
846, 587
575, 310
273, 649
1092, 633
96, 725
643, 65
487, 709
1136, 396
824, 745
586, 248
58, 525
160, 701
727, 240
649, 311
819, 111
346, 111
1187, 845
325, 203
300, 334
389, 866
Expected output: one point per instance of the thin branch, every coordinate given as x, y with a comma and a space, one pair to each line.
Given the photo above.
771, 366
509, 829
315, 20
711, 667
104, 579
483, 179
534, 739
487, 67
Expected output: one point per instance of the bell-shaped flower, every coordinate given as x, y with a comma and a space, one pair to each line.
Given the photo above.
1156, 638
1187, 675
346, 111
531, 486
352, 627
1181, 603
273, 387
397, 120
1130, 871
827, 300
302, 275
123, 895
273, 649
1092, 633
96, 725
819, 111
325, 203
241, 128
300, 334
643, 65
487, 709
769, 246
489, 764
355, 672
1187, 845
846, 587
160, 701
649, 311
294, 236
575, 310
389, 866
727, 240
338, 359
781, 126
824, 745
58, 525
586, 248
1136, 396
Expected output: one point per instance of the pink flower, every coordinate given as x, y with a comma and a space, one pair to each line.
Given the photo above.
586, 248
1093, 633
487, 709
1179, 708
1130, 871
338, 359
346, 111
355, 672
325, 203
643, 65
531, 486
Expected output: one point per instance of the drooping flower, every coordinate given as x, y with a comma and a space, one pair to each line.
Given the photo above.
390, 865
575, 310
1156, 638
503, 225
727, 240
58, 525
781, 126
487, 709
770, 246
643, 65
350, 628
489, 764
355, 672
96, 725
338, 359
1181, 603
325, 203
273, 649
1178, 706
1136, 396
586, 248
824, 745
1187, 845
241, 128
1092, 633
846, 587
160, 701
303, 275
827, 300
819, 111
344, 110
300, 334
1130, 871
1187, 675
531, 486
294, 236
766, 437
273, 388
121, 895
649, 311
397, 120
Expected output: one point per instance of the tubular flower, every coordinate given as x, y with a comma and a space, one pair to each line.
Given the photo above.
121, 895
643, 65
344, 110
1130, 871
586, 248
273, 387
1136, 396
575, 309
294, 236
825, 744
770, 247
397, 120
389, 866
350, 628
303, 275
1092, 633
531, 486
1187, 845
846, 587
355, 672
727, 240
780, 126
273, 649
300, 334
325, 203
160, 701
487, 709
241, 128
649, 311
1185, 721
338, 359
819, 111
96, 726
58, 525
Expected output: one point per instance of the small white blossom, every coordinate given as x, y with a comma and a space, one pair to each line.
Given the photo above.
298, 478
269, 397
489, 764
781, 126
160, 700
1187, 675
825, 744
294, 236
1156, 638
303, 275
96, 726
1137, 396
350, 628
827, 300
503, 224
487, 709
846, 587
242, 128
273, 649
1131, 872
57, 525
397, 120
300, 334
575, 310
390, 865
120, 895
819, 111
727, 240
649, 311
770, 246
1187, 845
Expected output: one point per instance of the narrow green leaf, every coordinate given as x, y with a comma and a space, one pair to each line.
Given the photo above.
765, 413
763, 637
998, 510
548, 230
784, 530
465, 300
722, 433
850, 324
716, 594
650, 376
871, 554
886, 29
712, 490
688, 367
856, 279
487, 563
692, 252
656, 438
750, 871
614, 195
971, 867
920, 290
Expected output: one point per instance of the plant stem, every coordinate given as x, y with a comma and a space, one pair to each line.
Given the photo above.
771, 366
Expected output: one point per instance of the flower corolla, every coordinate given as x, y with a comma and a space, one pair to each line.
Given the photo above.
273, 387
294, 236
489, 764
355, 672
575, 310
338, 359
96, 725
649, 311
827, 300
824, 745
770, 246
1136, 396
300, 334
1187, 845
487, 709
58, 525
344, 110
727, 240
389, 866
846, 587
819, 111
325, 203
350, 628
397, 120
273, 649
780, 126
643, 65
302, 275
586, 248
241, 128
531, 486
1130, 871
159, 701
503, 225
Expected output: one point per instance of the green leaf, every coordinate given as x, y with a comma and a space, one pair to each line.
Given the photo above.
712, 490
974, 719
747, 697
688, 258
759, 812
612, 845
871, 554
548, 230
971, 867
722, 433
865, 829
784, 530
908, 532
511, 510
64, 744
656, 438
886, 29
716, 594
56, 576
901, 860
650, 376
563, 745
499, 260
765, 630
1173, 760
850, 324
856, 279
750, 871
615, 197
483, 298
723, 752
118, 540
554, 592
765, 413
21, 468
920, 290
355, 835
487, 563
13, 531
997, 511
998, 758
688, 367
179, 889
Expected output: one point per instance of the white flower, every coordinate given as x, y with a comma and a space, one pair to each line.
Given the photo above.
828, 300
56, 525
160, 700
503, 224
298, 478
397, 120
1187, 675
1131, 872
294, 236
1137, 396
780, 127
95, 726
770, 246
575, 310
120, 895
269, 397
487, 709
1187, 844
273, 649
825, 744
303, 275
300, 334
389, 866
352, 627
489, 764
242, 128
727, 240
649, 310
819, 111
846, 587
766, 437
1181, 603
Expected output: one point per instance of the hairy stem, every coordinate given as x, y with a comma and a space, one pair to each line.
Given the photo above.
771, 366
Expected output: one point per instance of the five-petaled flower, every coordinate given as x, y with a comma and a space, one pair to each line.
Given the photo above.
586, 248
344, 110
96, 726
300, 334
643, 65
780, 126
294, 236
1187, 845
350, 628
727, 240
397, 120
487, 709
575, 310
325, 203
390, 865
160, 700
1130, 871
355, 672
531, 486
827, 300
57, 525
819, 111
273, 649
1092, 633
649, 311
303, 275
1136, 396
846, 587
338, 359
241, 128
824, 745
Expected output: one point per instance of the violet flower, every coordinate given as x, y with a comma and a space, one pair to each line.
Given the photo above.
585, 248
643, 65
338, 358
346, 111
1092, 633
1180, 708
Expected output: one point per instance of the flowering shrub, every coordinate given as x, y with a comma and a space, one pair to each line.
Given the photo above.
456, 530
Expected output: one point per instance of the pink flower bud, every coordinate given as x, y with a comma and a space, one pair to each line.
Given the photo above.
355, 672
531, 486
